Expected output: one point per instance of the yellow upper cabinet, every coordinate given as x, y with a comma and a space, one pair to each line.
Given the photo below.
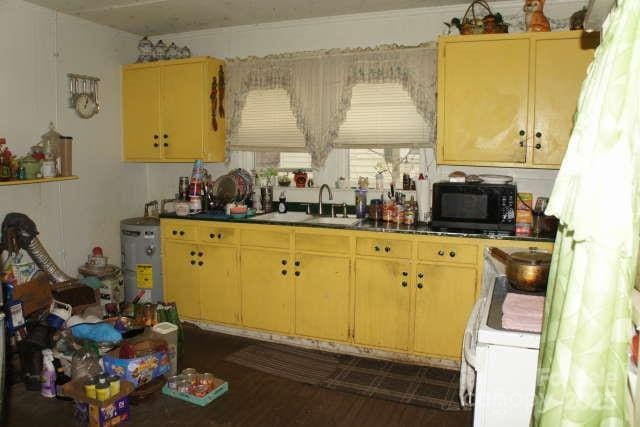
509, 99
167, 111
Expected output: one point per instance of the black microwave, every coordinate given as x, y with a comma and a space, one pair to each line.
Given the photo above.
483, 207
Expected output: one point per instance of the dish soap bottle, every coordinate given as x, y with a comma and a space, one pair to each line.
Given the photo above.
282, 203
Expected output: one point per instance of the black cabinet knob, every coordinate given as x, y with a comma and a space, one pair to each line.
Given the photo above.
387, 249
297, 263
174, 232
419, 285
181, 233
538, 146
297, 273
538, 134
521, 133
200, 262
376, 248
420, 275
200, 254
192, 253
284, 272
284, 262
219, 236
155, 136
211, 236
404, 273
404, 284
165, 136
193, 262
452, 254
155, 144
166, 144
441, 252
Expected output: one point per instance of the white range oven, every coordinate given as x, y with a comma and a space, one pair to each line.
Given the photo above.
502, 362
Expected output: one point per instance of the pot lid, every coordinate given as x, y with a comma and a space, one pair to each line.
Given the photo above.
532, 256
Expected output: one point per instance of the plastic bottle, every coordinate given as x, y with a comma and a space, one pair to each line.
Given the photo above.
48, 377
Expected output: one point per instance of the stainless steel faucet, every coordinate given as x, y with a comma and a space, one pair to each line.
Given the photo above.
322, 187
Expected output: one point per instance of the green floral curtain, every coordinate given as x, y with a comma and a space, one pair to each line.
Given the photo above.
582, 375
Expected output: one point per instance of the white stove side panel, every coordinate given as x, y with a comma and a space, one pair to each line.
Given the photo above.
505, 387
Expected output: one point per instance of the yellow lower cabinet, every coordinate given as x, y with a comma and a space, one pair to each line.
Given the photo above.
266, 277
182, 277
382, 303
321, 284
444, 299
220, 287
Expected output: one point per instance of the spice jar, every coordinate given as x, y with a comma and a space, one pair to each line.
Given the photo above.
388, 211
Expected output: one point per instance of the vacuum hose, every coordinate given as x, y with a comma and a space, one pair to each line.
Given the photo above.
41, 257
20, 232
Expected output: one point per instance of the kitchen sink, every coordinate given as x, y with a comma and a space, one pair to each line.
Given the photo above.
332, 221
283, 217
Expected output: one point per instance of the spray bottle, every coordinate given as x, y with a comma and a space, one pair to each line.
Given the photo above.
48, 377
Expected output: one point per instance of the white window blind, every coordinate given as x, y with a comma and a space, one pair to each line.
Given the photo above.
268, 124
382, 115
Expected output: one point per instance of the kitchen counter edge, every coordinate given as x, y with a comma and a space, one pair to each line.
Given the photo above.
364, 225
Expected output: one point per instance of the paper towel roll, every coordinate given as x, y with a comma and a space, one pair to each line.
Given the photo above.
423, 196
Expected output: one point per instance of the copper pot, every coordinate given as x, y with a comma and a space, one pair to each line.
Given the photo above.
527, 271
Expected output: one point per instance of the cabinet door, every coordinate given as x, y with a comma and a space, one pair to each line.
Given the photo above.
181, 277
561, 67
322, 296
182, 104
382, 303
483, 107
266, 289
444, 299
220, 288
141, 113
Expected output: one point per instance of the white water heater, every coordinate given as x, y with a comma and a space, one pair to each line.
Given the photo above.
141, 261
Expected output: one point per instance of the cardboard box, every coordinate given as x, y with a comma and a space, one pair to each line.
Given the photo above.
139, 370
94, 413
524, 216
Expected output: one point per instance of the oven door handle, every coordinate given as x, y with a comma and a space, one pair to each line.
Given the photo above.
471, 333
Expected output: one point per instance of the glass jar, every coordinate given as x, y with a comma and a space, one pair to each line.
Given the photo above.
361, 203
375, 210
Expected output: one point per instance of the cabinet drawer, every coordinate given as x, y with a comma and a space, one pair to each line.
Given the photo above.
267, 237
383, 247
179, 231
447, 252
331, 243
215, 234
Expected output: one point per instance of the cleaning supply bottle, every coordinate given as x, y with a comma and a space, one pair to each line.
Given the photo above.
48, 377
282, 204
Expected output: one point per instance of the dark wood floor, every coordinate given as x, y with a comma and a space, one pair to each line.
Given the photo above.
254, 399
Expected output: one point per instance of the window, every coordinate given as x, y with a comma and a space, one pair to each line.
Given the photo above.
283, 161
394, 161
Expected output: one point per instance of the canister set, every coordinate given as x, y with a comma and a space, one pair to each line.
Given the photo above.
102, 387
192, 382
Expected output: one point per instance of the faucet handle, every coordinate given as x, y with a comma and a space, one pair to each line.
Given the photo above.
333, 210
344, 210
308, 205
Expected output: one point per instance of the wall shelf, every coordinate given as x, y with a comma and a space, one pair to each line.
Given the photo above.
38, 180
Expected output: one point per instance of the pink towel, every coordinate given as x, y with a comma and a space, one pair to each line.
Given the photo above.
523, 312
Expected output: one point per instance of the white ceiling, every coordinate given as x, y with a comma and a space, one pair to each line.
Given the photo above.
154, 17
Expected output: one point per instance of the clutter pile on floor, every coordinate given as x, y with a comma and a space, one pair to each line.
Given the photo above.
73, 340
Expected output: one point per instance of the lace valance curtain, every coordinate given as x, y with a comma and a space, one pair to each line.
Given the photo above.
320, 83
